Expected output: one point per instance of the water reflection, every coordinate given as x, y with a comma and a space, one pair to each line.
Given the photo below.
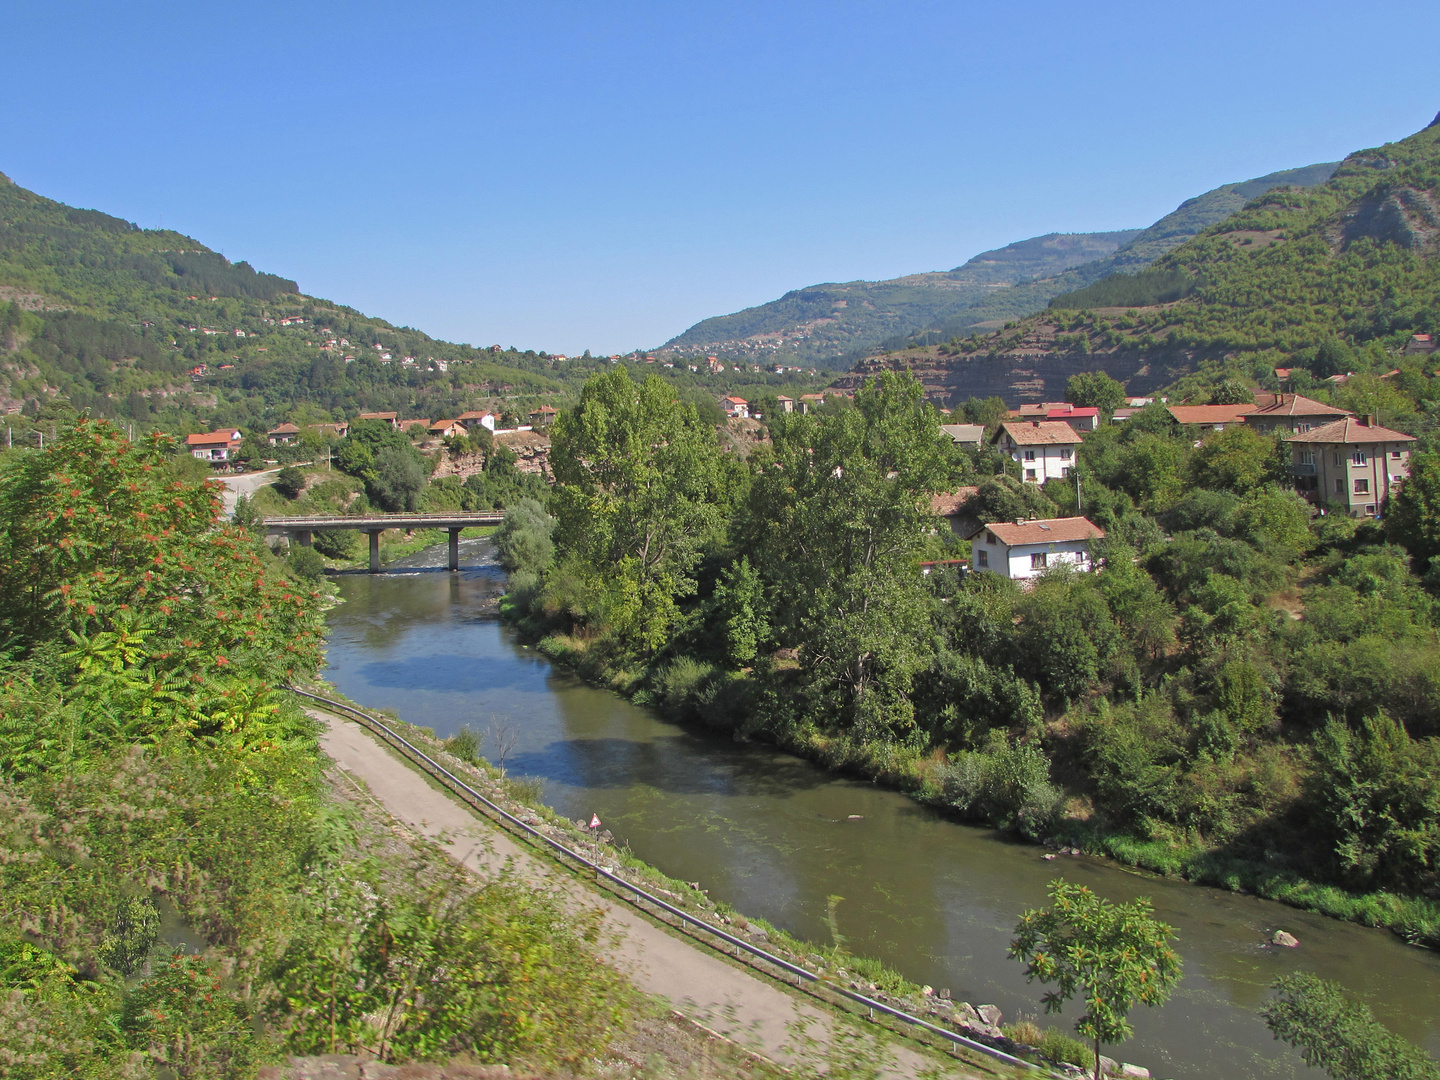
777, 837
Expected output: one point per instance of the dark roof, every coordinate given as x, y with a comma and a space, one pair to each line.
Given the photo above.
1351, 430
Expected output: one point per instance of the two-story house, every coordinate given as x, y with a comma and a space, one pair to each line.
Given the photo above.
1216, 417
284, 435
1026, 549
472, 419
1293, 414
1045, 449
1354, 462
215, 446
393, 419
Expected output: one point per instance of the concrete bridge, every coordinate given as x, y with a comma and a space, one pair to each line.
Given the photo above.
302, 530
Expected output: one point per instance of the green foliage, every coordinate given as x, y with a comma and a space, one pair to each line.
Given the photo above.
187, 1022
1057, 1046
337, 544
1095, 389
1006, 784
1340, 1035
305, 562
1113, 955
639, 489
1414, 517
1004, 498
1236, 459
136, 929
1376, 796
523, 541
741, 612
289, 482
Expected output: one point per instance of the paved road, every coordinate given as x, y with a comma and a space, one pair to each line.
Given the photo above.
244, 484
731, 1000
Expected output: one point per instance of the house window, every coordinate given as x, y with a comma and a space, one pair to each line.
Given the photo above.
1037, 561
1030, 474
1337, 459
1302, 427
1362, 487
1065, 454
1307, 457
1029, 455
1339, 486
982, 559
1357, 458
1395, 454
1066, 471
990, 538
1370, 509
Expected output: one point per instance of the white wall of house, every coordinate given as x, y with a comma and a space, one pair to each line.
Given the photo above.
1025, 561
1044, 462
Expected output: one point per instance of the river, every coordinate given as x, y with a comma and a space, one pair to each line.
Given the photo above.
776, 837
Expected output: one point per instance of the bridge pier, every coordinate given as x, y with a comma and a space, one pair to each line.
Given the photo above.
455, 549
303, 537
374, 535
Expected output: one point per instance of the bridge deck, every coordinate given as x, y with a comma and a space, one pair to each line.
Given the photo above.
302, 529
366, 522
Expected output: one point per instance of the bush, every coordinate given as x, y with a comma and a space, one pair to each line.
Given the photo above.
1007, 785
465, 745
678, 686
290, 482
305, 562
1059, 1047
337, 543
523, 541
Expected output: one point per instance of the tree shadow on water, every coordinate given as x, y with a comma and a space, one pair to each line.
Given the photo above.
674, 764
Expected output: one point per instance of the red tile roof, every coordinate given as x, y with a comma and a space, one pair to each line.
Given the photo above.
1210, 414
1049, 531
224, 437
1042, 432
947, 504
1299, 405
1067, 411
1351, 430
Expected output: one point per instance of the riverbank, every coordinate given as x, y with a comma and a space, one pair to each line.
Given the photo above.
760, 1006
700, 701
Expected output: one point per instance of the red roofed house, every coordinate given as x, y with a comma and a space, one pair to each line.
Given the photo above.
283, 435
1211, 416
735, 406
215, 445
1293, 414
950, 505
545, 415
1419, 343
477, 419
1354, 462
1026, 549
388, 417
443, 429
1045, 449
1081, 419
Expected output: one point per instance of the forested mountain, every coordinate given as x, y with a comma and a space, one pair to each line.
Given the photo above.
821, 324
834, 324
152, 327
1332, 278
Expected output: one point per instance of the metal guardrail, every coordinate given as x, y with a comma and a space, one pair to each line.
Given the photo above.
470, 795
386, 521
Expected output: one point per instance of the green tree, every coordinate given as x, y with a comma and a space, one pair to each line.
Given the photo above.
741, 610
1336, 1033
1414, 517
835, 521
988, 411
289, 482
1095, 389
1112, 955
1236, 459
524, 540
640, 488
399, 478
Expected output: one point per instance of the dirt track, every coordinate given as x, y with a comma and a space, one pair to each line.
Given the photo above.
729, 999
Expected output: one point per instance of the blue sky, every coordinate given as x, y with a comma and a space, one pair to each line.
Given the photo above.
567, 175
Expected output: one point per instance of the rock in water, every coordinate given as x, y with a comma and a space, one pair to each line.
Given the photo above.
1282, 938
1134, 1072
990, 1014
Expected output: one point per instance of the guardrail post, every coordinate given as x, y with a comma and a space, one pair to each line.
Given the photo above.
374, 535
454, 549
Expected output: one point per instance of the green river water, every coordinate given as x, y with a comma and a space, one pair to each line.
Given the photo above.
776, 837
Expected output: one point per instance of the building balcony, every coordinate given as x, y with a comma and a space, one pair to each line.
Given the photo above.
1301, 469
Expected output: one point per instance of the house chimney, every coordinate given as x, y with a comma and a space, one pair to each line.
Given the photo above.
1370, 420
1034, 423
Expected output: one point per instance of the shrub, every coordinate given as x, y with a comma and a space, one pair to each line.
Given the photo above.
523, 541
1059, 1047
679, 684
1026, 1032
1008, 785
337, 543
290, 482
306, 562
465, 745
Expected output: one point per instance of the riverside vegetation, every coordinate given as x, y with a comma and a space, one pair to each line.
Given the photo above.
1172, 711
152, 775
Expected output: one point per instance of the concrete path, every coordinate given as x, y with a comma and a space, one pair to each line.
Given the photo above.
738, 1004
243, 484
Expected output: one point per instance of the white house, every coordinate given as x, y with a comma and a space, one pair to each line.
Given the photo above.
473, 419
219, 445
1045, 449
1026, 549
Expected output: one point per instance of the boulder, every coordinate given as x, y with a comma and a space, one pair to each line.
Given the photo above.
1109, 1066
966, 1016
1282, 938
990, 1014
1134, 1072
